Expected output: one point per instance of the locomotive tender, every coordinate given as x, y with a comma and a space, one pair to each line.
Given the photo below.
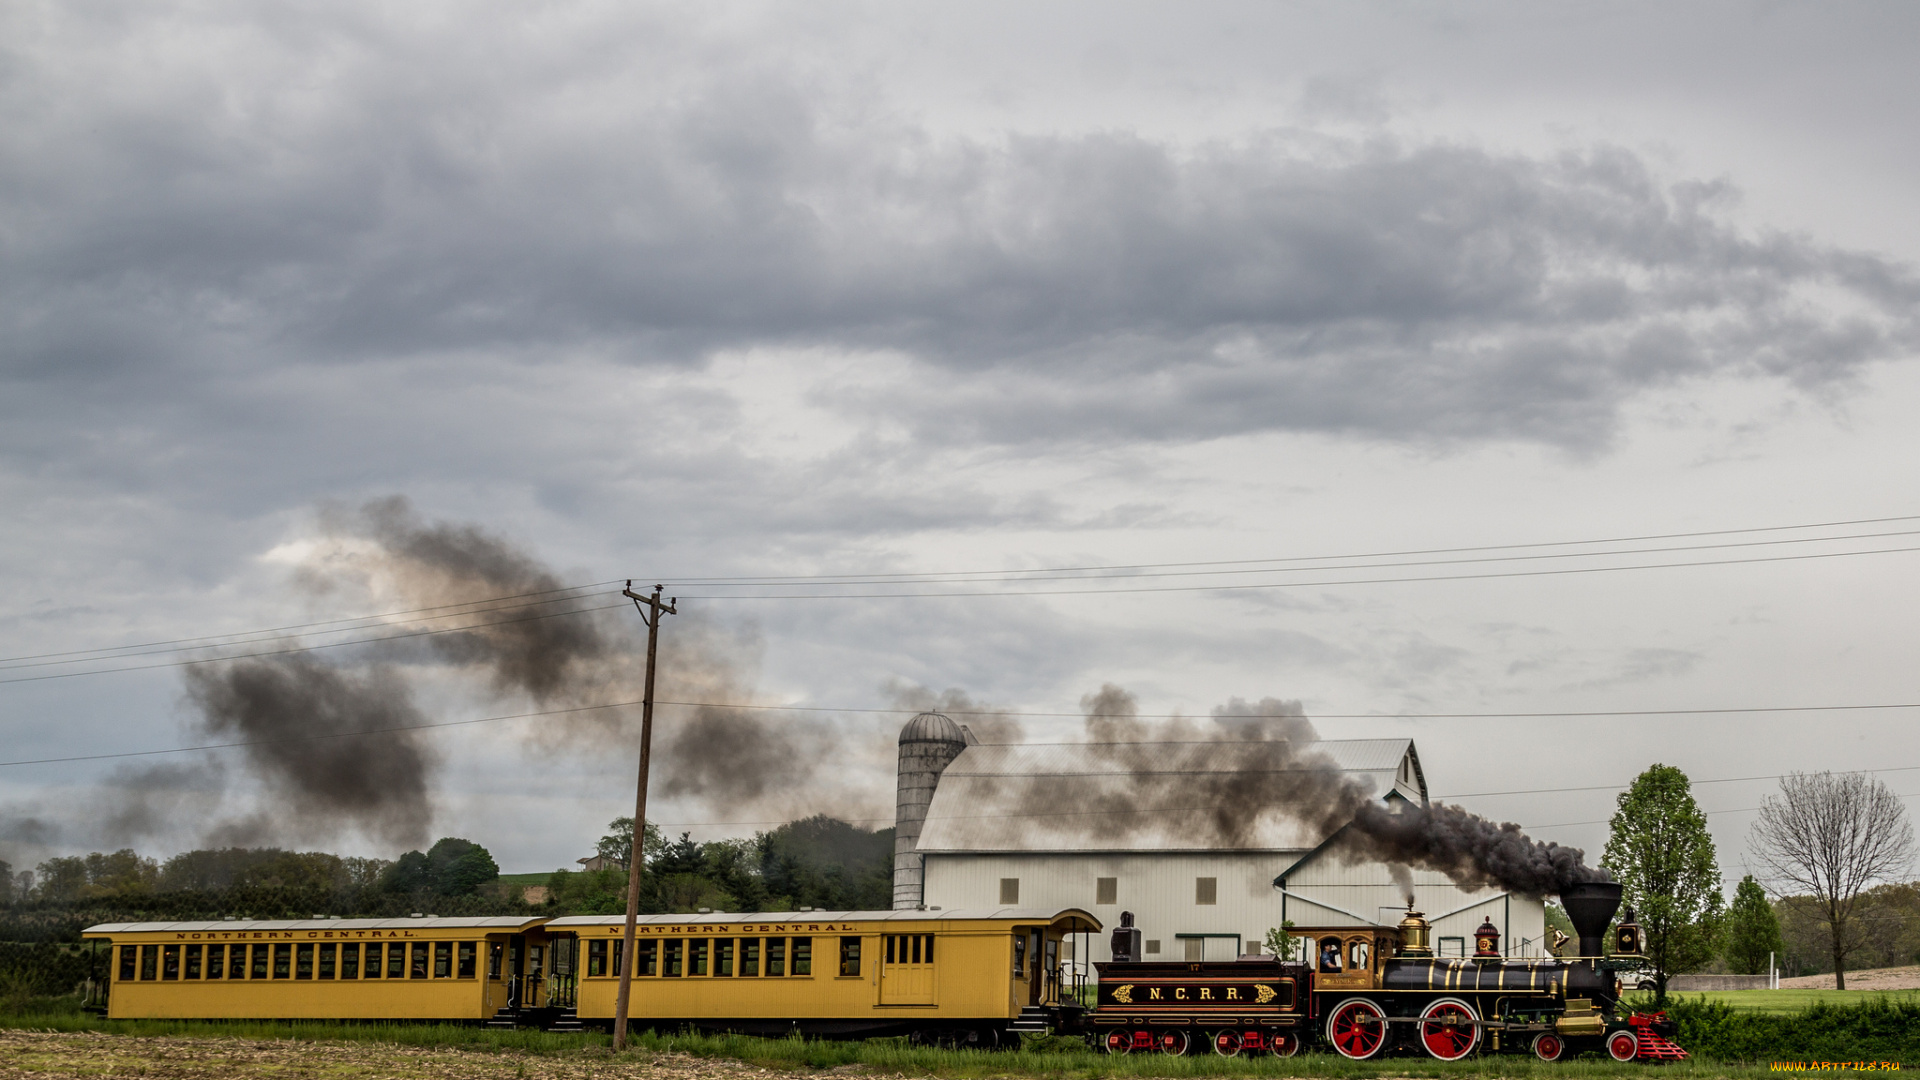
1365, 991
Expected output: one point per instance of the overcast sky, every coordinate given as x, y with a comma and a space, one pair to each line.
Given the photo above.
678, 294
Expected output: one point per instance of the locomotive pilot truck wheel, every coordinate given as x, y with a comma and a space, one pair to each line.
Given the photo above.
1285, 1044
1548, 1046
1449, 1029
1357, 1028
1623, 1045
1172, 1043
1226, 1043
1118, 1042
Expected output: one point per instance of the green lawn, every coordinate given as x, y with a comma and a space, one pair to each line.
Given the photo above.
1785, 1001
526, 879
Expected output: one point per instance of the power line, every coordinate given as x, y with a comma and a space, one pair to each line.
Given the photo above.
1228, 744
923, 577
321, 737
978, 593
1710, 813
212, 640
1315, 558
312, 648
1133, 573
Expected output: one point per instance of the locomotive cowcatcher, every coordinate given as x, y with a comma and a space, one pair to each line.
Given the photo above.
1370, 990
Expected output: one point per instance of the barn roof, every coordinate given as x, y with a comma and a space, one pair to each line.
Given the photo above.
1146, 796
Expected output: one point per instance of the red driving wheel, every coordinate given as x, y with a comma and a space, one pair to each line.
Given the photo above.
1549, 1047
1449, 1029
1357, 1028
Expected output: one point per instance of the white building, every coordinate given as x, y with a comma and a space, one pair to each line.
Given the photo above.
1001, 825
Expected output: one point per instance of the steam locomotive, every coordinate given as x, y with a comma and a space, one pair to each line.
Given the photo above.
1367, 991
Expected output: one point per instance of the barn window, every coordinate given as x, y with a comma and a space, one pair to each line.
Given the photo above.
1106, 890
1206, 890
1009, 890
1153, 945
1452, 946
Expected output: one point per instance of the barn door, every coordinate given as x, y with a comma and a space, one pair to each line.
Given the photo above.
906, 970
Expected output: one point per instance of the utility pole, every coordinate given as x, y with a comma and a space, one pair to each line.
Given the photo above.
651, 612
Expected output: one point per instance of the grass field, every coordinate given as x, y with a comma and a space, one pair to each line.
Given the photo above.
526, 879
240, 1049
1784, 1001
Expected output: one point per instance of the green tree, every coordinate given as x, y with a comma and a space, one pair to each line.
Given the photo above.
61, 879
1751, 932
457, 867
618, 843
1663, 857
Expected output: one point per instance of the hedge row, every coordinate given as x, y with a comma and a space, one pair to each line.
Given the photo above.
44, 968
1872, 1030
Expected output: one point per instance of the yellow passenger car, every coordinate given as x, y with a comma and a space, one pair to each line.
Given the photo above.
415, 969
954, 977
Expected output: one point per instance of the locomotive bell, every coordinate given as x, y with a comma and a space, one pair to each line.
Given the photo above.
1486, 941
1413, 934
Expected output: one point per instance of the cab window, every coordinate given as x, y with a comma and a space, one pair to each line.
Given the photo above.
1357, 955
1330, 954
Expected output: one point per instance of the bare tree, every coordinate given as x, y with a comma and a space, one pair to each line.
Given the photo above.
1831, 837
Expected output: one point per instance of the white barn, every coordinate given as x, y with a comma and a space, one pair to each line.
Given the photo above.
981, 826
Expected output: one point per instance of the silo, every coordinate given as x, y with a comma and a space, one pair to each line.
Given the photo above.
928, 744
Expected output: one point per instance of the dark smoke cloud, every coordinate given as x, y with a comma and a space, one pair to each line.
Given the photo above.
295, 711
543, 645
1250, 764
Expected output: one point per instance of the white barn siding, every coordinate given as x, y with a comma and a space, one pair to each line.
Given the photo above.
1160, 888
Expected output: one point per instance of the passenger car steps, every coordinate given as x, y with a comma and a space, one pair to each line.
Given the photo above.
1032, 1021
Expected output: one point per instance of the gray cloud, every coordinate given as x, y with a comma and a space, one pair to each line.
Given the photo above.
1080, 287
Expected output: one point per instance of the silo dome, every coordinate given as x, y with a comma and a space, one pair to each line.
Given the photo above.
931, 726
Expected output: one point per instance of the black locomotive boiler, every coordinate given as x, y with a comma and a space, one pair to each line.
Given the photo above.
1364, 991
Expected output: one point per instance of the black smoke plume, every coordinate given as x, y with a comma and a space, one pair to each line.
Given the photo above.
1254, 771
329, 742
503, 623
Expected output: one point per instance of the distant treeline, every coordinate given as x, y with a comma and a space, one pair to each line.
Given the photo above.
820, 862
1884, 932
